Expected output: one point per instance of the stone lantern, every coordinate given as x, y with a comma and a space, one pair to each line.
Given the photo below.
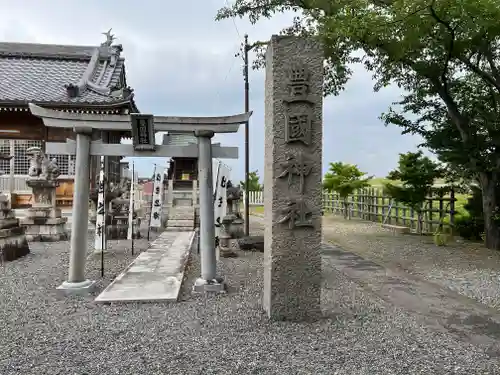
119, 214
225, 242
232, 223
43, 220
234, 195
13, 243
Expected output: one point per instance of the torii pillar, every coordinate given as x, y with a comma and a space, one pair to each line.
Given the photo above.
203, 127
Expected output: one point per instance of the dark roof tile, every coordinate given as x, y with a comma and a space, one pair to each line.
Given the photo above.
40, 73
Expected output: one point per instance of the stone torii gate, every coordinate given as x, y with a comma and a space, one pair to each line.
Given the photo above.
83, 124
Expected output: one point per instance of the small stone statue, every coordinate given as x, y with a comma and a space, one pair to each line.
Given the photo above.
53, 170
35, 168
40, 166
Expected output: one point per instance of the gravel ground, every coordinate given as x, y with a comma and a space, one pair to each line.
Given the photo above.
41, 333
466, 268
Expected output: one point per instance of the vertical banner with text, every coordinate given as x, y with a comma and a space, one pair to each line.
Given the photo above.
215, 174
133, 182
100, 224
157, 198
220, 203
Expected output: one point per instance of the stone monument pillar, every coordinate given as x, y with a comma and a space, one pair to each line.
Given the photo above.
292, 178
43, 220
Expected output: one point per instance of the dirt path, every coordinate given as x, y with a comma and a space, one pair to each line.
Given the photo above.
468, 269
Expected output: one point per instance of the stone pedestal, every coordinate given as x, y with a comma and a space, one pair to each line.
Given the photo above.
13, 243
119, 227
237, 229
43, 221
292, 178
225, 249
251, 243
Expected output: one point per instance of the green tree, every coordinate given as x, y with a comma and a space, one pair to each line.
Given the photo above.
417, 174
443, 54
344, 179
253, 182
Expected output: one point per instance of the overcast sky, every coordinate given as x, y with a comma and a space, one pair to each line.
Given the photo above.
181, 62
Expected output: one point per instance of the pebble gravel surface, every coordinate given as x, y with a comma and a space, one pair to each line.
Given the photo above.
41, 333
466, 268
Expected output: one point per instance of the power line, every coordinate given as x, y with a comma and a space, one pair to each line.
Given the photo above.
217, 95
230, 69
234, 22
220, 85
236, 27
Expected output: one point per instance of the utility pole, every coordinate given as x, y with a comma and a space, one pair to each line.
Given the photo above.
246, 48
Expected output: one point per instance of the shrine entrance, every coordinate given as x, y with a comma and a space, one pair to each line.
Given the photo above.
143, 128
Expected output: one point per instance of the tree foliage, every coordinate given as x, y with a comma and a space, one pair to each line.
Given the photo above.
344, 179
417, 174
470, 226
253, 182
443, 54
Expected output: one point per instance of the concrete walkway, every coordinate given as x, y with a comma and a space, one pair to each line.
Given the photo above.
156, 274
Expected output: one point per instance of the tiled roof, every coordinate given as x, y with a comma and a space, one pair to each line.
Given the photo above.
56, 74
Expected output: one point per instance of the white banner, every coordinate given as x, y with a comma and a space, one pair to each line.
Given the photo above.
220, 203
131, 207
100, 224
215, 171
157, 198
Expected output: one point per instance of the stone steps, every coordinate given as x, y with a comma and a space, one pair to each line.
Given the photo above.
181, 223
183, 202
181, 217
179, 229
181, 214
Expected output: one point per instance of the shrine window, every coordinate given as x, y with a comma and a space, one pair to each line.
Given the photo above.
5, 150
66, 164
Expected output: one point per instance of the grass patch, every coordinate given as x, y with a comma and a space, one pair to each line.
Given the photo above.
257, 209
381, 181
376, 208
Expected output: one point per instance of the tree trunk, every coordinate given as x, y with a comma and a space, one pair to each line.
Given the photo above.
345, 208
489, 187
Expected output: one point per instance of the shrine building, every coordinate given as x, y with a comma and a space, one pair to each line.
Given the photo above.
79, 79
182, 171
